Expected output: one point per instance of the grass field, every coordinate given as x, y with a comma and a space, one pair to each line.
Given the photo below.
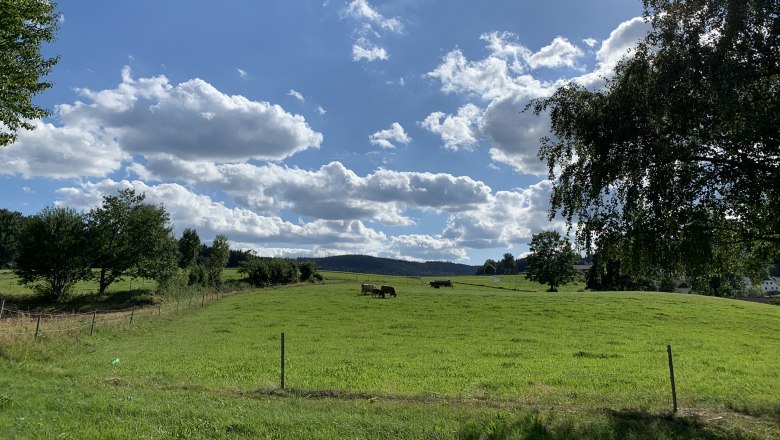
490, 358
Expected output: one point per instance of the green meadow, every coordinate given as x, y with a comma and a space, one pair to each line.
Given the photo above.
490, 358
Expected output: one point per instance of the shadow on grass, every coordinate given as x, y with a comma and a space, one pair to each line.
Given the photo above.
84, 302
615, 425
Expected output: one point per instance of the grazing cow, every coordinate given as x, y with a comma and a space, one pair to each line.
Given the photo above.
377, 293
365, 289
388, 290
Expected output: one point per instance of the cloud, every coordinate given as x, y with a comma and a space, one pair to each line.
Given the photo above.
321, 110
62, 153
617, 46
190, 120
369, 29
514, 135
364, 50
242, 73
297, 95
509, 218
332, 192
362, 10
505, 81
560, 53
188, 209
590, 42
419, 247
385, 138
146, 116
460, 131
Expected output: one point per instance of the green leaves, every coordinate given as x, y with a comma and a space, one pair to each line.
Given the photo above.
24, 26
678, 159
551, 260
53, 248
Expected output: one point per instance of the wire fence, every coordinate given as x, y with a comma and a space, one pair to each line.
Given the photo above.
31, 326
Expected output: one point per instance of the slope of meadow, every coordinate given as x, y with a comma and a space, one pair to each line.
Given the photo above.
475, 360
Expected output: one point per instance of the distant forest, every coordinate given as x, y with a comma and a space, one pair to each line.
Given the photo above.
388, 266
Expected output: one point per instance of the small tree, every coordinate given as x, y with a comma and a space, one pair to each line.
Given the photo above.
308, 271
218, 258
551, 260
53, 247
508, 264
189, 246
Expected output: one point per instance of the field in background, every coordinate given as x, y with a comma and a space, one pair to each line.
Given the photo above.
437, 363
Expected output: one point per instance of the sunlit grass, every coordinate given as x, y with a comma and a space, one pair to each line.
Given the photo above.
422, 364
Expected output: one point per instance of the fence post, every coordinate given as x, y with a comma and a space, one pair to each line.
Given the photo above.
202, 298
159, 309
37, 328
2, 308
92, 329
671, 377
131, 315
282, 376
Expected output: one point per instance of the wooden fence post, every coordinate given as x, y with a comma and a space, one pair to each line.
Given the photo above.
92, 329
131, 315
2, 308
282, 376
671, 377
38, 328
202, 299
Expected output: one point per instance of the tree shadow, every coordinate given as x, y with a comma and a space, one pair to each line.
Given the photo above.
83, 302
610, 424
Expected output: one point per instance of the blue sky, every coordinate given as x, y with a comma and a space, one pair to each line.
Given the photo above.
311, 128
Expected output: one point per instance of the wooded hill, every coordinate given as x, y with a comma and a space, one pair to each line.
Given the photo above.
389, 266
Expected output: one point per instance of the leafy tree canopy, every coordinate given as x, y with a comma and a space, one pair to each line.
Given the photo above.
53, 248
10, 225
551, 260
189, 247
218, 258
676, 163
24, 26
130, 237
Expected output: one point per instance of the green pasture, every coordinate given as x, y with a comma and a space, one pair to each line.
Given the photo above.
496, 360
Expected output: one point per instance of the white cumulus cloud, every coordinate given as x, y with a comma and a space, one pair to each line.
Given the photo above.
459, 131
385, 138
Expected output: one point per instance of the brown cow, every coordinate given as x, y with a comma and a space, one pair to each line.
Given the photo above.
365, 289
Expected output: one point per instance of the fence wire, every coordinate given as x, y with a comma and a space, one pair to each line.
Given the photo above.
22, 325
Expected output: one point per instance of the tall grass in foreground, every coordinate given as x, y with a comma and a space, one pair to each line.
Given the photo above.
442, 363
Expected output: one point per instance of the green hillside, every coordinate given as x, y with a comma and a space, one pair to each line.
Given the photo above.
466, 362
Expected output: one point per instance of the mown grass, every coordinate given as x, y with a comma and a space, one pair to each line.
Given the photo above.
468, 362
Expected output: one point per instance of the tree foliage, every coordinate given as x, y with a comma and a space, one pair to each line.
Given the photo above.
24, 26
218, 258
10, 226
53, 248
551, 260
308, 271
129, 237
261, 272
676, 163
189, 247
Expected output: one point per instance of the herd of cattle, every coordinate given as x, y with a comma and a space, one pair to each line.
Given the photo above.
383, 291
379, 292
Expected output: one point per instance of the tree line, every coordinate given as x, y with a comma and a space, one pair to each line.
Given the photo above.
124, 237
